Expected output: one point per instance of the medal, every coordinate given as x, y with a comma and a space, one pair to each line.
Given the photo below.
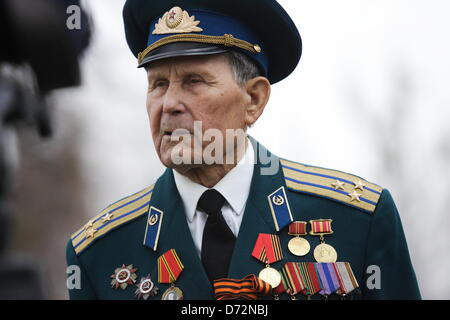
172, 293
292, 276
146, 288
268, 250
123, 276
298, 246
169, 269
271, 276
323, 252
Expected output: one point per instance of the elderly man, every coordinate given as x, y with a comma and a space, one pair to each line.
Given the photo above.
228, 219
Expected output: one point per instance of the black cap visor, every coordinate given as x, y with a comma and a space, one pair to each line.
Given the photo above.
181, 49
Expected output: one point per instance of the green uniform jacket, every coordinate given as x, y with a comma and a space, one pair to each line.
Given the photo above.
367, 232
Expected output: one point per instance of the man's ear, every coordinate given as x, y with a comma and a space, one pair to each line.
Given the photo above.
258, 90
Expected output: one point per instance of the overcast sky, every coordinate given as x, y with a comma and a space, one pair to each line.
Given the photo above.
357, 57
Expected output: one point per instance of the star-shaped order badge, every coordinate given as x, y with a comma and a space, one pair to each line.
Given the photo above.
123, 276
146, 288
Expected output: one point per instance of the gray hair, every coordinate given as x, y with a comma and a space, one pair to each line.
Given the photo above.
244, 68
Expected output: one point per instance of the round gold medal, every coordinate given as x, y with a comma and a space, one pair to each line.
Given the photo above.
271, 276
299, 246
325, 253
172, 293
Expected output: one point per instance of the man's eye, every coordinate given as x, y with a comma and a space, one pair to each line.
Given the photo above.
160, 83
194, 80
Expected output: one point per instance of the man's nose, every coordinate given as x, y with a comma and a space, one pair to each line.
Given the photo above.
173, 99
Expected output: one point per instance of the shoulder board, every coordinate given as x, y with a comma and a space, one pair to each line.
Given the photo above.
332, 184
112, 217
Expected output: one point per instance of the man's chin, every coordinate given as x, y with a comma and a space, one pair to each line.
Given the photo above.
182, 168
169, 160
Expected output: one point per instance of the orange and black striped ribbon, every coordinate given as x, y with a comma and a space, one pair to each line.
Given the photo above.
267, 248
169, 267
248, 288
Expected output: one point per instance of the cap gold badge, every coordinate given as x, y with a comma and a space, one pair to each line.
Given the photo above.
176, 20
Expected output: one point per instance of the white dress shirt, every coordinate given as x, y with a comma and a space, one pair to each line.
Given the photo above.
234, 187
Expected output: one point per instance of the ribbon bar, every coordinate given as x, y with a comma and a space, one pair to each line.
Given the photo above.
309, 275
292, 275
328, 278
282, 287
347, 280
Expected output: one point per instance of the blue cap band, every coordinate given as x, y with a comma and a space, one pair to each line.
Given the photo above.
216, 25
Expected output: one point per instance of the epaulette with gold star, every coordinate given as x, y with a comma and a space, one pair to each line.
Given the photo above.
332, 184
112, 217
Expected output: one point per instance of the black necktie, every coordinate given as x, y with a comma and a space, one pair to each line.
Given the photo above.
218, 240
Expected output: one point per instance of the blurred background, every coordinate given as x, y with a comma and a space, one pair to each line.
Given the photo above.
370, 97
